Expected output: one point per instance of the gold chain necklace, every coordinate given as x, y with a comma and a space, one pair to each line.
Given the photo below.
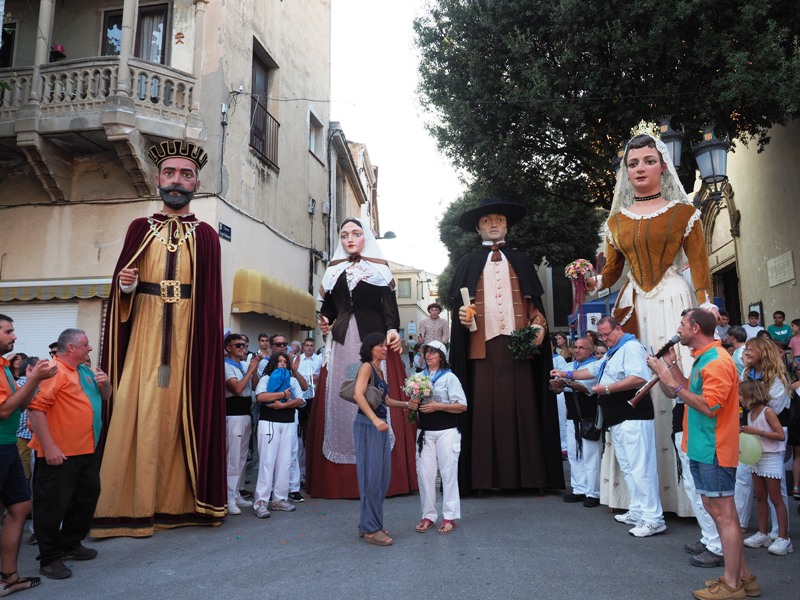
172, 246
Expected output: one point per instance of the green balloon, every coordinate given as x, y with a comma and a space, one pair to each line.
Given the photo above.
749, 449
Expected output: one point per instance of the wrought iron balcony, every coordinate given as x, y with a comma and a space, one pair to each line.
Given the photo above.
264, 134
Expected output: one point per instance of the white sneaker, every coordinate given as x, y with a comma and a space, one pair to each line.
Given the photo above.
282, 505
781, 546
643, 530
757, 540
626, 518
261, 510
233, 509
242, 503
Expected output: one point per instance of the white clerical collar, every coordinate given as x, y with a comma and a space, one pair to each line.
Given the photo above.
491, 243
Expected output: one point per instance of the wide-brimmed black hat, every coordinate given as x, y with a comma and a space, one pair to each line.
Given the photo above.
488, 206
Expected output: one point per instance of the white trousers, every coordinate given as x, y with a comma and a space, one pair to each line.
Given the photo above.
294, 469
584, 472
743, 495
274, 461
440, 451
709, 536
635, 448
561, 403
238, 434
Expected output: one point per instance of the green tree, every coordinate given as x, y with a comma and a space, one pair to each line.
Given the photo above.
549, 90
532, 98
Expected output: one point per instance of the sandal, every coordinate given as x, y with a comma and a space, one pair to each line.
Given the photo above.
796, 492
18, 585
361, 533
447, 526
424, 525
379, 538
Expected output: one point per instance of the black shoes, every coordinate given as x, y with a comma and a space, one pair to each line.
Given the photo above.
697, 548
296, 497
80, 552
591, 502
55, 570
574, 498
707, 559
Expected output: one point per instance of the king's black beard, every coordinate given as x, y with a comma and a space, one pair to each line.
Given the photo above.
176, 202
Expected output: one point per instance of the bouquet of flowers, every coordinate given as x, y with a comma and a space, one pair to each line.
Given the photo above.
417, 386
579, 269
522, 343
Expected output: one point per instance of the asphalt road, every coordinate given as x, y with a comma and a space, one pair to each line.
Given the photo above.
505, 546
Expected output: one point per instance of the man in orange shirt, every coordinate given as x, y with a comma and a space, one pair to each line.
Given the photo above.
15, 495
65, 417
711, 440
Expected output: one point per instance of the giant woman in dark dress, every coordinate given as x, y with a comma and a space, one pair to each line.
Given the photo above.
358, 298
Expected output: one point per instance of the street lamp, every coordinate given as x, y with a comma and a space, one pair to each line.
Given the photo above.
672, 139
711, 156
616, 162
420, 287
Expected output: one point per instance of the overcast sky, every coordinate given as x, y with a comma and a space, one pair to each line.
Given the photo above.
374, 98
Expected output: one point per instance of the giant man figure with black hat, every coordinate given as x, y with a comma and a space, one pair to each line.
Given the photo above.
510, 435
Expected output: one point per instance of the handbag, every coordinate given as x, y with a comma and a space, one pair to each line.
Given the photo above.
590, 429
373, 394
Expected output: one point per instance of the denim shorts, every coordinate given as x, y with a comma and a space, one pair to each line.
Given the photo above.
13, 487
713, 481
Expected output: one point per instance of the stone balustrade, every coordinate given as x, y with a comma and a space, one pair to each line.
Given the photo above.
83, 85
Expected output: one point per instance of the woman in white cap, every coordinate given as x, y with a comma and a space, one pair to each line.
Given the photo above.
438, 440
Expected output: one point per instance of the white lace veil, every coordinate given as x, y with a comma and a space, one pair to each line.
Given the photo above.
671, 187
376, 269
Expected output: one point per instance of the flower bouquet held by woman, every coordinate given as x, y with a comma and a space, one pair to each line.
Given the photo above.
418, 387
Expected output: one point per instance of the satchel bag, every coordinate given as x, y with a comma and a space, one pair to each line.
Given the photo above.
373, 394
589, 429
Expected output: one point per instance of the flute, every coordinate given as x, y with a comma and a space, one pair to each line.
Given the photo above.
642, 391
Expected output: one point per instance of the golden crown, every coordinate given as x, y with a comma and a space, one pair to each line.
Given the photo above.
178, 149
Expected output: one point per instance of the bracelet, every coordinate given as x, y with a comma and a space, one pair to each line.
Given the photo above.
570, 374
676, 390
607, 391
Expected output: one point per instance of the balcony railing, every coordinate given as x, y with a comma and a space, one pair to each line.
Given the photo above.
84, 84
77, 85
264, 134
19, 80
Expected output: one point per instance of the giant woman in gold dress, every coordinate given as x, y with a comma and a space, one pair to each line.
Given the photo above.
656, 231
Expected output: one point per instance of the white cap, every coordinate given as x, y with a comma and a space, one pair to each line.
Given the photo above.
436, 344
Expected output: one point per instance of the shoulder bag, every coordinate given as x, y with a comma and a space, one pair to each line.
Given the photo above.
373, 394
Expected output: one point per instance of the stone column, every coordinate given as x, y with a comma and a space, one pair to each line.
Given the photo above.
130, 9
44, 32
195, 127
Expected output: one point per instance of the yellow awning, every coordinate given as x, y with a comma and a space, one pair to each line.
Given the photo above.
61, 289
254, 291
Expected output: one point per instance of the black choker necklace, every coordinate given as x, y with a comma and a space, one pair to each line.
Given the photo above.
646, 198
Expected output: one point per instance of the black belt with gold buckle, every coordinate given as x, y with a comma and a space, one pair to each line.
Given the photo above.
170, 290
